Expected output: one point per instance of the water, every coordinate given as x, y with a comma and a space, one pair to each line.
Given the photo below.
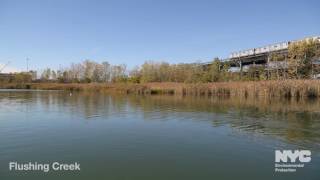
154, 137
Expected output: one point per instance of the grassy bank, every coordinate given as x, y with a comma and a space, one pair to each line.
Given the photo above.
281, 88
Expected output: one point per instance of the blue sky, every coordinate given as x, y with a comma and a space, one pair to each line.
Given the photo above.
58, 32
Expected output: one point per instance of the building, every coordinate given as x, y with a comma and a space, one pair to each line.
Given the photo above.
6, 76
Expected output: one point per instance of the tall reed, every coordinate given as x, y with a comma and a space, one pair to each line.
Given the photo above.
277, 88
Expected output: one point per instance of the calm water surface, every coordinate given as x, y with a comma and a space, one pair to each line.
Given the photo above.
158, 137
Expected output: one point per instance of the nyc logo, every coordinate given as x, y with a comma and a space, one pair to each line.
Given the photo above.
303, 156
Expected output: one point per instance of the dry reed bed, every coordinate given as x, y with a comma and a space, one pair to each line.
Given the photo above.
280, 88
284, 88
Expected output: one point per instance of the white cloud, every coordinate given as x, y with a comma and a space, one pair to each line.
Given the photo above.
8, 69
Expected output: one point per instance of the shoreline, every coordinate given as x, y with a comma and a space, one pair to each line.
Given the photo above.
274, 88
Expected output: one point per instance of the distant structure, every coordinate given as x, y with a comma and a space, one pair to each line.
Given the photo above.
5, 75
5, 65
260, 56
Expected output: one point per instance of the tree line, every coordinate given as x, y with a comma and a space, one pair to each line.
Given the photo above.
86, 72
297, 64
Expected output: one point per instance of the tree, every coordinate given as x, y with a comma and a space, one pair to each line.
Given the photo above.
53, 75
106, 72
97, 75
300, 58
88, 70
75, 72
118, 73
149, 72
46, 74
214, 70
22, 77
135, 75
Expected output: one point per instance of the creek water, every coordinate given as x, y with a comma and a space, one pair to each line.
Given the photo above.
155, 137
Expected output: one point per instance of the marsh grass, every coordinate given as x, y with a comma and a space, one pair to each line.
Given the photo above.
280, 88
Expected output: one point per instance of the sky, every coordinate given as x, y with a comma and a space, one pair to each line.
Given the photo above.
56, 33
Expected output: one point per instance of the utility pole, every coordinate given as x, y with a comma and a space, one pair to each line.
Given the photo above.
27, 64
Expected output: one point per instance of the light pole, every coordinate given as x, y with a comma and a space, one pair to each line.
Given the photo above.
27, 64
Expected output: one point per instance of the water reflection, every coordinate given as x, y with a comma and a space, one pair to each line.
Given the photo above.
295, 121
